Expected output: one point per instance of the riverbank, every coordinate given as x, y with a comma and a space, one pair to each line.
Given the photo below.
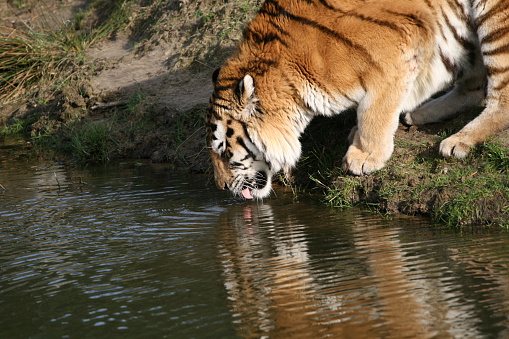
140, 91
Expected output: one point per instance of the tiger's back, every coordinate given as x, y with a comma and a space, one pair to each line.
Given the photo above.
303, 58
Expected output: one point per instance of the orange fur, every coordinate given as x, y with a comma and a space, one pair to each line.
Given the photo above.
299, 59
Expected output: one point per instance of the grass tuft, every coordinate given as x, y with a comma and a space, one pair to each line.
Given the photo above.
91, 142
46, 50
17, 127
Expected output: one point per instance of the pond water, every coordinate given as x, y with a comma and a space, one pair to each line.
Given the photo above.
140, 251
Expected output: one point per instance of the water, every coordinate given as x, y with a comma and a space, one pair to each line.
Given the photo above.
141, 251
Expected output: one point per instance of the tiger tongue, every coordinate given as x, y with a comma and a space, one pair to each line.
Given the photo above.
246, 193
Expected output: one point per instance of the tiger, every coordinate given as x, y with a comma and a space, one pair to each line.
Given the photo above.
387, 60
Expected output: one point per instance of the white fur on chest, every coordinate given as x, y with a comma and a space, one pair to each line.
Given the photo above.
319, 102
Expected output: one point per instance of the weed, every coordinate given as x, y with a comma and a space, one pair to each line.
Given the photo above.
343, 193
184, 125
136, 98
478, 201
19, 4
496, 155
91, 142
16, 127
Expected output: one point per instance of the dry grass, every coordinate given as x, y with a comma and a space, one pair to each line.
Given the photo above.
46, 49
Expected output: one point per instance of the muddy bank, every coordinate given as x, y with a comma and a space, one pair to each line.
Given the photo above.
142, 93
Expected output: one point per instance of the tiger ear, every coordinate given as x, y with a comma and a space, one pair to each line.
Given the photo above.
246, 88
215, 75
246, 95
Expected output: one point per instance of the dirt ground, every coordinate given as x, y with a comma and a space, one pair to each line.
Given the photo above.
168, 61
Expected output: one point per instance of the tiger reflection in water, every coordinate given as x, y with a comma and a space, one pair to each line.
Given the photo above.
288, 280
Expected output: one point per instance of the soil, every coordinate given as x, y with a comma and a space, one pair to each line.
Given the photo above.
167, 58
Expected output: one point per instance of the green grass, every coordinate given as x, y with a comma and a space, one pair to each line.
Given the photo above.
496, 155
481, 185
453, 192
17, 127
345, 196
91, 142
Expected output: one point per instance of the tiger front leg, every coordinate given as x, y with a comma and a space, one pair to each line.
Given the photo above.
373, 141
492, 120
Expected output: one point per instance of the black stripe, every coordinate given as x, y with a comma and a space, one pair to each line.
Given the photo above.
464, 42
227, 153
279, 11
310, 78
499, 50
363, 83
217, 97
390, 25
279, 29
326, 5
259, 110
258, 67
459, 10
449, 65
260, 38
238, 164
498, 34
246, 133
246, 157
350, 99
217, 116
503, 84
225, 88
241, 142
499, 7
220, 106
496, 70
410, 17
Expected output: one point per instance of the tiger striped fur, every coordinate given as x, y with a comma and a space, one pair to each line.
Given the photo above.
302, 58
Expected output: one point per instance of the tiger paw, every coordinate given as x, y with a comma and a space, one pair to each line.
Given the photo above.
358, 162
458, 146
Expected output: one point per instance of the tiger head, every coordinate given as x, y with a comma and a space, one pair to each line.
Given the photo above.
249, 138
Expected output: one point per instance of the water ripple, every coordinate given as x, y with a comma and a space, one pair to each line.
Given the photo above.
151, 254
